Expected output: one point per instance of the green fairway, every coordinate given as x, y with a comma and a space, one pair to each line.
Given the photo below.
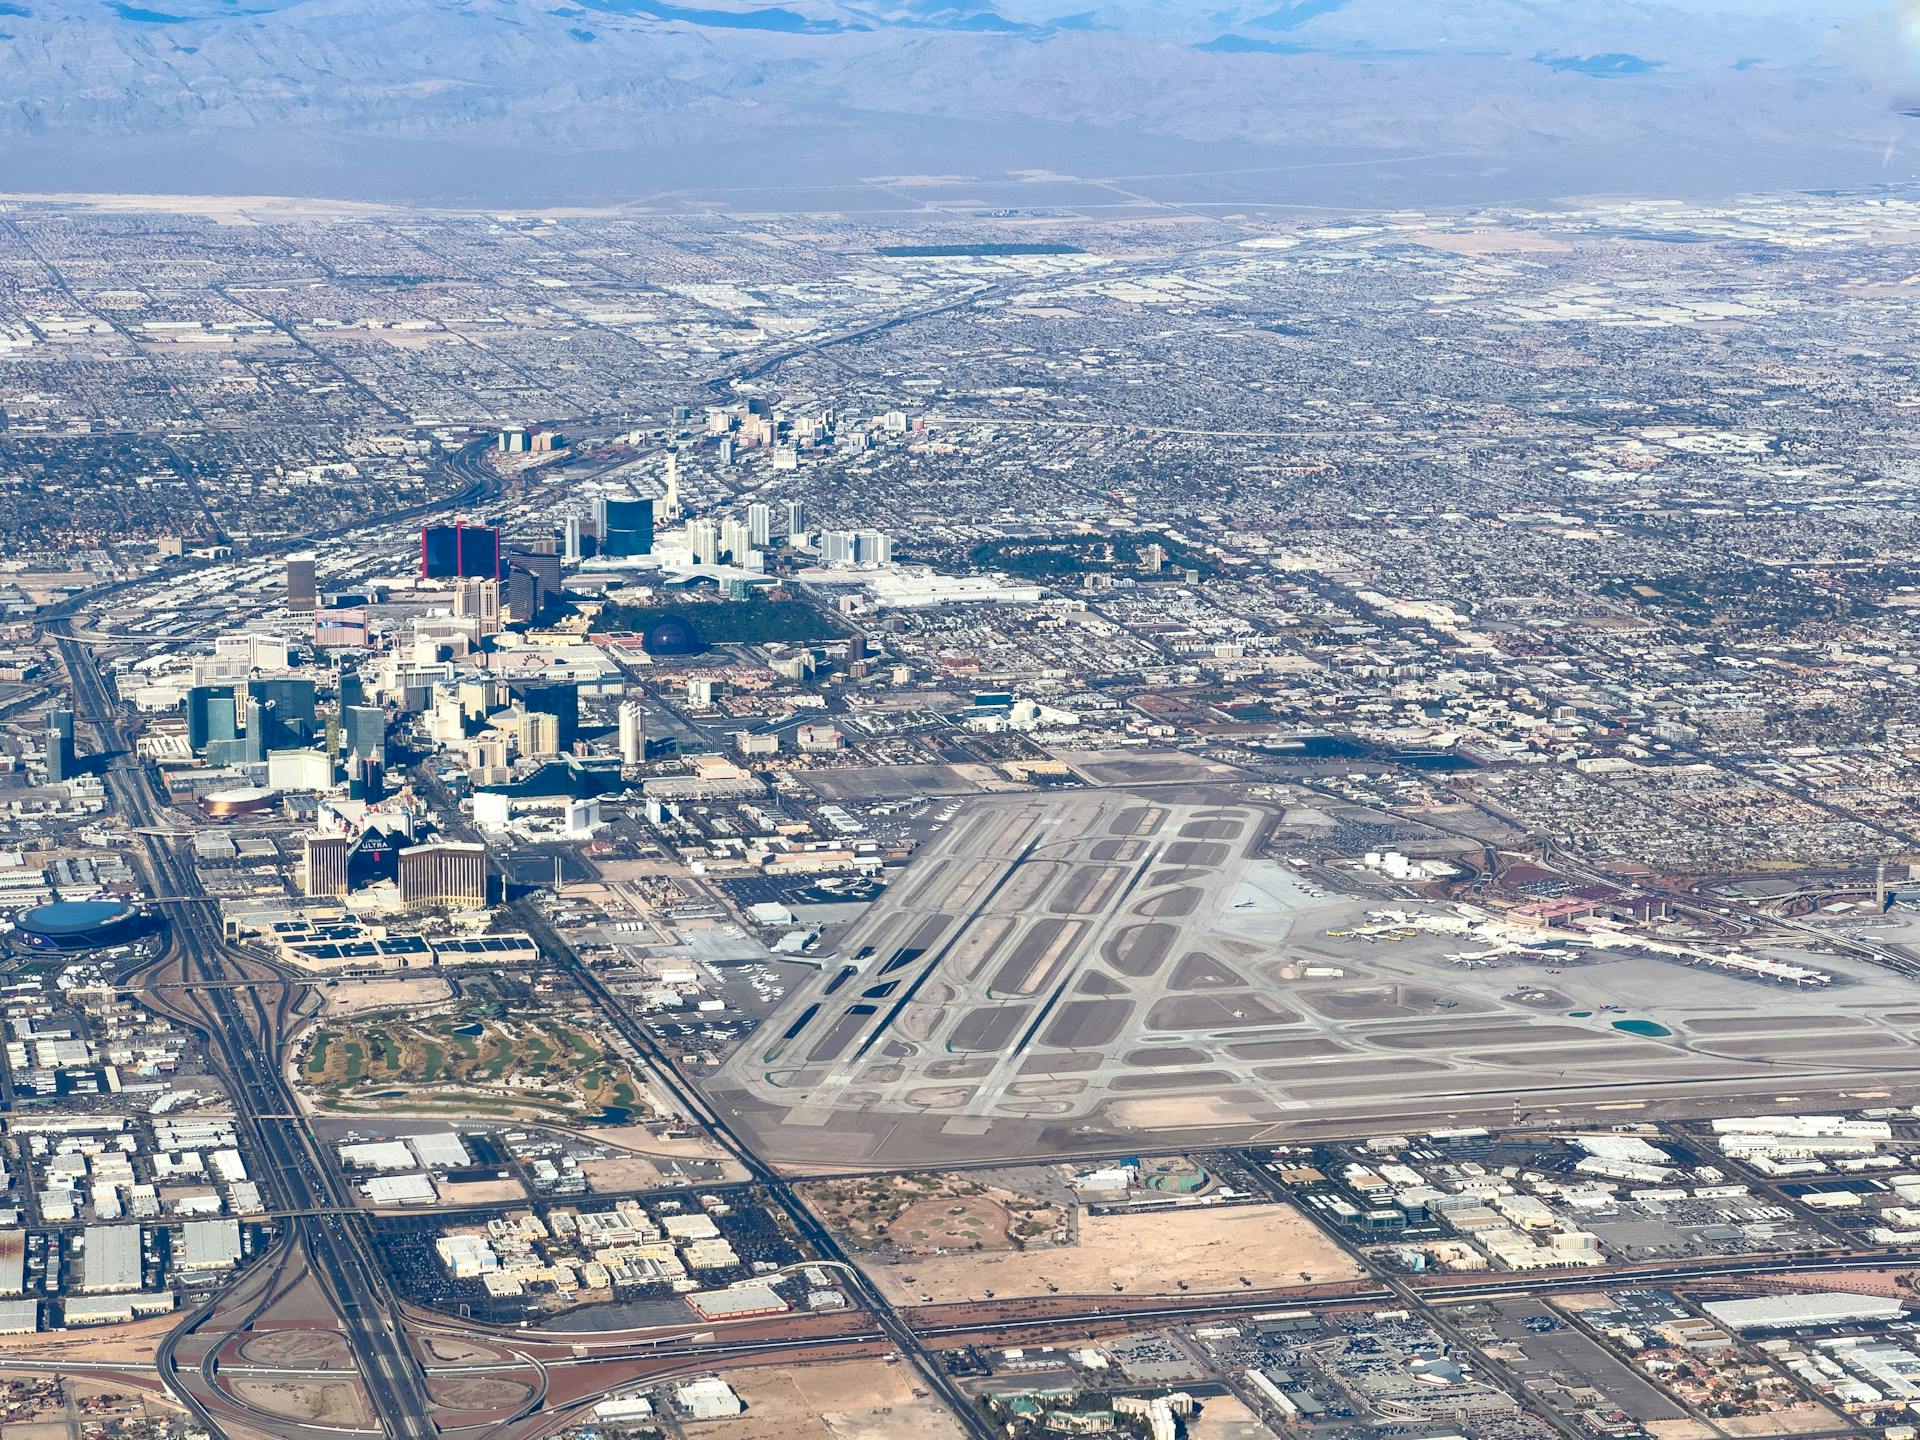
387, 1061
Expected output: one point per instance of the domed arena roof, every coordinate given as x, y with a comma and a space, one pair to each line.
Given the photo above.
672, 635
79, 925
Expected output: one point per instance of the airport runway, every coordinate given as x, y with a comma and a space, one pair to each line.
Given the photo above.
1102, 969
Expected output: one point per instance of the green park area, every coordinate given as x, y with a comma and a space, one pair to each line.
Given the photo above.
470, 1063
753, 621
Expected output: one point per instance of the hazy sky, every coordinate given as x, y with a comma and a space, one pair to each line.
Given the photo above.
1783, 7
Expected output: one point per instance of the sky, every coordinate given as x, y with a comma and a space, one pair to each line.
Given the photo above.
1837, 9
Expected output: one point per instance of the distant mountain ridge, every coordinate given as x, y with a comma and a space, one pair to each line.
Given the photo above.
605, 99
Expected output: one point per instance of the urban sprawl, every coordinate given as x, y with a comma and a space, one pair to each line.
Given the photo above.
1211, 825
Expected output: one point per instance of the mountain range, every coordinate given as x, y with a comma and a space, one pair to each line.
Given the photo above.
1337, 102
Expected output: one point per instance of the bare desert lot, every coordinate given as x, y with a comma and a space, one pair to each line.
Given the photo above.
933, 1214
1225, 1417
850, 1400
353, 997
324, 1404
1211, 1248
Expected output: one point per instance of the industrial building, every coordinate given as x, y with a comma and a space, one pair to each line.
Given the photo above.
80, 1310
13, 1262
708, 1398
1792, 1312
738, 1302
208, 1245
110, 1259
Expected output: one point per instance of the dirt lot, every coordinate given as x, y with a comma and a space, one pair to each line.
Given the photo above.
451, 1350
642, 1141
351, 997
1209, 1247
328, 1403
297, 1350
135, 1342
1794, 1420
1680, 1430
480, 1192
933, 1225
846, 1400
1225, 1417
931, 1213
620, 1172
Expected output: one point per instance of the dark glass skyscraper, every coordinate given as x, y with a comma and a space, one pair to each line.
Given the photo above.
212, 715
288, 704
533, 582
275, 714
628, 528
302, 591
459, 550
59, 745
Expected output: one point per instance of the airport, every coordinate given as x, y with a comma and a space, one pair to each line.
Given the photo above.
1080, 972
1140, 815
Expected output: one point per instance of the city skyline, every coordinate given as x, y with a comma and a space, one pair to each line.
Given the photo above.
837, 722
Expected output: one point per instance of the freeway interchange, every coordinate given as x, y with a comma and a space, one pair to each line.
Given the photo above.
244, 1038
318, 1309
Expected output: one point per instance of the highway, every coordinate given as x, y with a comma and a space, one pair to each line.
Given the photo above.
810, 1229
695, 1107
1075, 1315
243, 1003
244, 1047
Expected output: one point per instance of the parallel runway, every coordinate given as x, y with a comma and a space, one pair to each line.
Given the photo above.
1075, 972
1048, 955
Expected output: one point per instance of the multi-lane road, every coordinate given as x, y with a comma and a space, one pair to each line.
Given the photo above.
804, 1222
244, 1004
243, 1037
